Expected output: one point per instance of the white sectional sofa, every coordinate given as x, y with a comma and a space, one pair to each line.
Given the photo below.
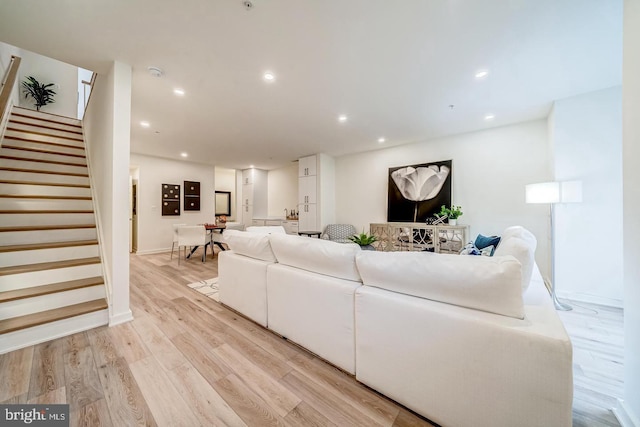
462, 340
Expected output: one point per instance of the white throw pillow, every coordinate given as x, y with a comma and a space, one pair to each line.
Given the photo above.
253, 245
520, 243
317, 255
483, 283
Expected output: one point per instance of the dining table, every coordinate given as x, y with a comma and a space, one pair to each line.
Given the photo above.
211, 228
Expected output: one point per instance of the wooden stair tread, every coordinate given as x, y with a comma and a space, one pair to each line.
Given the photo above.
53, 184
36, 319
35, 141
33, 132
46, 227
46, 211
53, 162
38, 150
81, 175
52, 288
43, 196
19, 122
28, 268
39, 114
14, 113
53, 245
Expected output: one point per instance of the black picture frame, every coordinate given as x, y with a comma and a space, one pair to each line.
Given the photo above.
191, 196
407, 209
170, 199
223, 203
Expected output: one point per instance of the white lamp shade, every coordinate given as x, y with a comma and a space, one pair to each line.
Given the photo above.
543, 192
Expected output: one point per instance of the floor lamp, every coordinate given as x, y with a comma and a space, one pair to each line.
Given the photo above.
553, 193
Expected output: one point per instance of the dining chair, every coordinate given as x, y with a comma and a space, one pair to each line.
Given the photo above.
192, 236
175, 236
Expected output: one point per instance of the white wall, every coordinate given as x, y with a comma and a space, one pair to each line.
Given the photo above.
629, 411
47, 70
282, 190
587, 144
155, 232
107, 128
490, 171
225, 180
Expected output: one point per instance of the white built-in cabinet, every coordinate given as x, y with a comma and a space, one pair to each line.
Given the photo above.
315, 192
254, 195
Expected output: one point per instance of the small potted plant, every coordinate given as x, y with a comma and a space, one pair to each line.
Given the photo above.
452, 213
40, 92
364, 240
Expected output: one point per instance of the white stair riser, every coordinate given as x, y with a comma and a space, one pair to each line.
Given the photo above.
45, 277
45, 116
45, 156
50, 331
37, 122
42, 177
67, 133
47, 236
44, 189
16, 220
47, 147
49, 167
49, 302
43, 204
8, 259
56, 139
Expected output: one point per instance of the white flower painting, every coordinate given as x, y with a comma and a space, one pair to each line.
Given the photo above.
417, 192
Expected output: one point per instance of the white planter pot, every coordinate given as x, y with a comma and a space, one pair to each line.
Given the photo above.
453, 221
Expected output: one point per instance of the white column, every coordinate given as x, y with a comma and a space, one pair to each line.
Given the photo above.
628, 411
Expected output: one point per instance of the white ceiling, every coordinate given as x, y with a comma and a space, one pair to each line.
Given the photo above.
393, 67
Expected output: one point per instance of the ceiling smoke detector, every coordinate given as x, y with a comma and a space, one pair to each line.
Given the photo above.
247, 4
155, 71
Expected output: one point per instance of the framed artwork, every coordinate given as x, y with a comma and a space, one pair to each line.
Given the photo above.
191, 196
170, 200
223, 203
416, 192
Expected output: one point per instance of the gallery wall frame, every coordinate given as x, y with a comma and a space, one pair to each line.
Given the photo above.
170, 199
191, 196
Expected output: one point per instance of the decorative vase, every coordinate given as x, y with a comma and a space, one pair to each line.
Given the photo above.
367, 248
453, 221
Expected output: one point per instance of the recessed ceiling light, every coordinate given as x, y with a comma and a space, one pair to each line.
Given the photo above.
269, 76
489, 117
251, 166
381, 140
184, 154
342, 118
179, 92
145, 124
482, 74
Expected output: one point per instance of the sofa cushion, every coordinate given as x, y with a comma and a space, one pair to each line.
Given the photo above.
484, 283
253, 245
317, 255
520, 243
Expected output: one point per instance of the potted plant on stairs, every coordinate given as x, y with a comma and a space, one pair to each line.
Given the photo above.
40, 92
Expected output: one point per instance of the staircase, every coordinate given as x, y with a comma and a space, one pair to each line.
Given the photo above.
51, 280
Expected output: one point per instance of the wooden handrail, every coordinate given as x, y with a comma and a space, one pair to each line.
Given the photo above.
90, 84
7, 85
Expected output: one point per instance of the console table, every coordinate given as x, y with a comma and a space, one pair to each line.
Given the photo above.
415, 236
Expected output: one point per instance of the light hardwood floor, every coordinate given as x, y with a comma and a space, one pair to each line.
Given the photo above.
186, 361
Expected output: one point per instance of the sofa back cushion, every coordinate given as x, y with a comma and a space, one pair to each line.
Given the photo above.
317, 255
266, 229
520, 243
483, 283
253, 245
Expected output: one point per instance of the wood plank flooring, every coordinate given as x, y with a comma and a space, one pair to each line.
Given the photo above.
186, 361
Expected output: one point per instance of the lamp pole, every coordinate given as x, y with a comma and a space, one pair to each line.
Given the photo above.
559, 305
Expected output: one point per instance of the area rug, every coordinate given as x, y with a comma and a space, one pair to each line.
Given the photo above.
207, 287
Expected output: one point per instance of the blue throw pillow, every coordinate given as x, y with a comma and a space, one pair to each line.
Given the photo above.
486, 241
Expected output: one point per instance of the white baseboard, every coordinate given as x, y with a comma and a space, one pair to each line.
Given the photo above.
154, 251
591, 299
117, 319
624, 415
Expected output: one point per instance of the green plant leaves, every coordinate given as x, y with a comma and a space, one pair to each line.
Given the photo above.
40, 92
